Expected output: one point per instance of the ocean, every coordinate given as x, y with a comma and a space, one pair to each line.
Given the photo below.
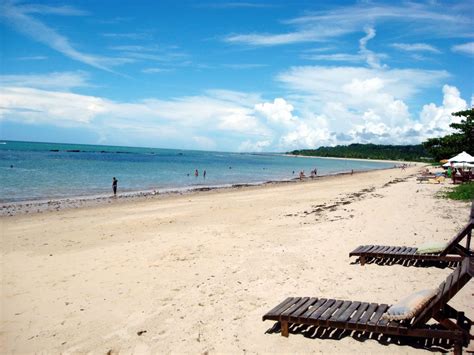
42, 171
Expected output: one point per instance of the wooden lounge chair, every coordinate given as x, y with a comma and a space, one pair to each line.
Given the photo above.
452, 253
451, 325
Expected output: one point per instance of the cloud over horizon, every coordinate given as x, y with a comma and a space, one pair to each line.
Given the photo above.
369, 108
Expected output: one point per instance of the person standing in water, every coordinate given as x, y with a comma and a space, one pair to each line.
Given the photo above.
114, 186
196, 173
204, 174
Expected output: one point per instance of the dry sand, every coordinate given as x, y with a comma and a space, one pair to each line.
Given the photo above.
195, 273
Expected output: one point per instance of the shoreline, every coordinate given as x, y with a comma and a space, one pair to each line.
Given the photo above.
13, 208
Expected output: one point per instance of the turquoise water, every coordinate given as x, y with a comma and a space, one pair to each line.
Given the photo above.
32, 171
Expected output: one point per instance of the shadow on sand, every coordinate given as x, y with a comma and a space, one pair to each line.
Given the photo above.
315, 332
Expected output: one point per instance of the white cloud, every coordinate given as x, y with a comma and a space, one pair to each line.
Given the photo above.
341, 105
239, 120
64, 10
364, 54
204, 143
416, 47
396, 124
372, 59
127, 35
273, 39
134, 48
248, 100
294, 132
440, 21
18, 17
245, 66
435, 120
335, 57
249, 146
156, 70
324, 83
305, 135
369, 34
33, 57
466, 48
365, 105
279, 112
53, 81
222, 112
40, 106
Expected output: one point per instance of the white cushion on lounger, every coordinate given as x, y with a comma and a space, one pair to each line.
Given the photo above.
409, 306
431, 247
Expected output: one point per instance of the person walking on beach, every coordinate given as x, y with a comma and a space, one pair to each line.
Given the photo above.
114, 186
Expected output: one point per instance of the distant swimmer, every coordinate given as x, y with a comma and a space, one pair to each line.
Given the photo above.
196, 173
204, 174
114, 185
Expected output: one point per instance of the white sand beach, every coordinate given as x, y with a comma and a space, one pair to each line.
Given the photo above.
195, 273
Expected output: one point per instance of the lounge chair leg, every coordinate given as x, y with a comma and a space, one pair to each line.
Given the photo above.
362, 260
457, 348
284, 329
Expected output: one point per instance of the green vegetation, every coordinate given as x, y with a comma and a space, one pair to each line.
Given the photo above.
369, 151
452, 144
464, 192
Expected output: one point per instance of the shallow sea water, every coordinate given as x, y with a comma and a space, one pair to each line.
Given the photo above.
34, 171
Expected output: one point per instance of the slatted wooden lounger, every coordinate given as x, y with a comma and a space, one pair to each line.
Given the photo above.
453, 252
367, 317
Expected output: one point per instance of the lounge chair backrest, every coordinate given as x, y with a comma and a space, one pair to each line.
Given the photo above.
466, 231
455, 281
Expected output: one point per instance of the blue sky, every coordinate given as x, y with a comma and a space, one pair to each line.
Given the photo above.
234, 75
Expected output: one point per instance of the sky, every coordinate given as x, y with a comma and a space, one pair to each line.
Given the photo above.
246, 76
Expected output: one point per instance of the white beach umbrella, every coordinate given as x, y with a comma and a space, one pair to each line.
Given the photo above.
460, 158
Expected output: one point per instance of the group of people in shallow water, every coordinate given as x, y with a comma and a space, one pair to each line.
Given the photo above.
196, 173
115, 181
313, 174
302, 175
